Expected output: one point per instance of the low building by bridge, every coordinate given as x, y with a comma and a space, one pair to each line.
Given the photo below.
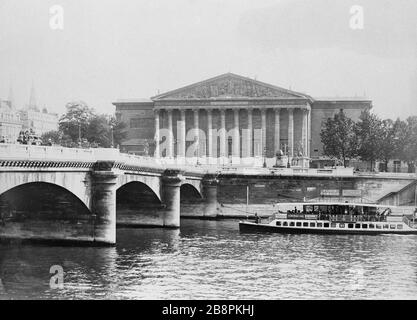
229, 119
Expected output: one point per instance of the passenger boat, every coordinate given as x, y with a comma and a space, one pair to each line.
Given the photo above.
336, 218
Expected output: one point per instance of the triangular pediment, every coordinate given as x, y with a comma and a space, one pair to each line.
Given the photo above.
229, 86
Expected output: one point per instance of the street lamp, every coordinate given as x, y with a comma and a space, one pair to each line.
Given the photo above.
264, 165
112, 137
79, 133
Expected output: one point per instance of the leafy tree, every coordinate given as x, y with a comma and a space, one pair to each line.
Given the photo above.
106, 131
54, 136
98, 131
338, 137
368, 131
74, 123
408, 142
119, 131
389, 140
81, 125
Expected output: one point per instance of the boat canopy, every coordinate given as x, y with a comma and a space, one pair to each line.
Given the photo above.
342, 208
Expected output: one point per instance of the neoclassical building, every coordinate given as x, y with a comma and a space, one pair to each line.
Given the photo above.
229, 118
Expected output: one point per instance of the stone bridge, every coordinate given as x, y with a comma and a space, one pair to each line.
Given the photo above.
50, 193
54, 193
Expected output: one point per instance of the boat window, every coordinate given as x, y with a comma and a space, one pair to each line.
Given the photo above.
312, 224
385, 226
323, 209
399, 226
298, 224
278, 223
326, 225
305, 224
378, 226
292, 224
319, 225
371, 226
333, 225
285, 224
341, 225
350, 225
392, 226
364, 226
357, 226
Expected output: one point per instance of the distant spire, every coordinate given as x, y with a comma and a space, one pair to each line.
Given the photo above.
32, 98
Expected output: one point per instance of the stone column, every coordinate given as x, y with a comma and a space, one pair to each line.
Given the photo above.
103, 205
209, 135
236, 136
196, 132
277, 137
181, 135
263, 121
309, 132
170, 136
291, 132
210, 195
222, 133
304, 132
171, 181
157, 153
250, 133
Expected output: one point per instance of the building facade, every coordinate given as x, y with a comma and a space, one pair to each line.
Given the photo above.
231, 119
40, 121
10, 122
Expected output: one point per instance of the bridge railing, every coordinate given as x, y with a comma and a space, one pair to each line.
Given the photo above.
27, 152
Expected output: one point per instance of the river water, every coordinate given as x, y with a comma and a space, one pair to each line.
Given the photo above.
212, 260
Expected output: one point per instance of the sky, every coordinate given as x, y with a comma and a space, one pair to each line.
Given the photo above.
123, 49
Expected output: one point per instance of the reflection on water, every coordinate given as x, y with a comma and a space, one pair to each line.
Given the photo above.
212, 260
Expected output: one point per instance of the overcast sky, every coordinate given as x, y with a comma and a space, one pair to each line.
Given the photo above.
119, 49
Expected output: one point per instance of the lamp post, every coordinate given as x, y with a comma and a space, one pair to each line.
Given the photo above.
112, 137
79, 133
264, 165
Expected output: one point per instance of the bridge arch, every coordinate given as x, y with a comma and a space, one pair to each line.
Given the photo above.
77, 183
42, 210
189, 191
151, 182
136, 190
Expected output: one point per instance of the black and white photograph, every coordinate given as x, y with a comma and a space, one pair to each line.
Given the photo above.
226, 152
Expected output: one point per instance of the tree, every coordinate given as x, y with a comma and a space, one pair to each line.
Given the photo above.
408, 142
338, 137
119, 131
74, 123
106, 131
368, 131
54, 136
98, 131
389, 140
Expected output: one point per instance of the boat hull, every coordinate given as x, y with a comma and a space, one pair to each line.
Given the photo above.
249, 227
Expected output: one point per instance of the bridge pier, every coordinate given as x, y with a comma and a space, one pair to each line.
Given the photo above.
172, 180
210, 195
103, 207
